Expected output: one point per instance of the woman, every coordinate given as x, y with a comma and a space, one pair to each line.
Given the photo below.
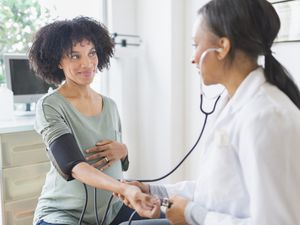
81, 128
249, 170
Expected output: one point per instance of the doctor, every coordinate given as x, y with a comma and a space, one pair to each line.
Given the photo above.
249, 170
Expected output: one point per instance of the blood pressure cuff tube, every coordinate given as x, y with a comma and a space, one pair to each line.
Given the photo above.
64, 153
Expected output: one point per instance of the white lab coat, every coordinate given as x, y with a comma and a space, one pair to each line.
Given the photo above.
250, 167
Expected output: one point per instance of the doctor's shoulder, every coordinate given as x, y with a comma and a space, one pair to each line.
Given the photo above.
278, 100
270, 108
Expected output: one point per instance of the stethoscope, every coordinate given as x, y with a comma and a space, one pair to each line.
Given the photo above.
165, 202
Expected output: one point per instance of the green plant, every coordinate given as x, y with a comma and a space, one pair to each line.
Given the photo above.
20, 19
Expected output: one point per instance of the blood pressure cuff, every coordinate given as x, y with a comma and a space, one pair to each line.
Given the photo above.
64, 153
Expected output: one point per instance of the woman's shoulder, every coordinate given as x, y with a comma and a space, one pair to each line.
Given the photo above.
109, 101
50, 100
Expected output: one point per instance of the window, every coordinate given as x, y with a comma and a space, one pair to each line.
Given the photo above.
21, 18
71, 9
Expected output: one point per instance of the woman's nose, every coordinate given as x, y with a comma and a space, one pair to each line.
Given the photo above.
85, 62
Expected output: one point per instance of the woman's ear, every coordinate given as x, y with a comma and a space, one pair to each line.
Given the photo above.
59, 66
225, 45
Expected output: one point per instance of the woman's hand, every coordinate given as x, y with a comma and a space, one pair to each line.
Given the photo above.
175, 214
107, 152
145, 204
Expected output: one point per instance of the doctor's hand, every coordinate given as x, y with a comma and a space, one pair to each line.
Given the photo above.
145, 188
108, 152
145, 205
175, 214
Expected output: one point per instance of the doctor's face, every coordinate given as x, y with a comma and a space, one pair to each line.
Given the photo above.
204, 39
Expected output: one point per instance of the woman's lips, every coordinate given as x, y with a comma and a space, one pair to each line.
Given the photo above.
88, 73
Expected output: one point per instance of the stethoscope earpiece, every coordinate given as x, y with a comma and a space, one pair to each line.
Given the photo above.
202, 58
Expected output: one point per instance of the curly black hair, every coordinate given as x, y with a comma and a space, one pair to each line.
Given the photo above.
56, 39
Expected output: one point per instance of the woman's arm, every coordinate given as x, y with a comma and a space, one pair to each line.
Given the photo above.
91, 176
143, 203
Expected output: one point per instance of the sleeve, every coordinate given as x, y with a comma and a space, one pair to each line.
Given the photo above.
269, 153
159, 191
185, 189
49, 122
195, 214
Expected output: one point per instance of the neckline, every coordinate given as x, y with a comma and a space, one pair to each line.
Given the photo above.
80, 113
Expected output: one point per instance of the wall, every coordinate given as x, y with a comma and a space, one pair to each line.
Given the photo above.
148, 85
288, 55
193, 119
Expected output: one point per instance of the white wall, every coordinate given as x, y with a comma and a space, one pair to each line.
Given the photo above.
193, 118
120, 82
288, 55
148, 86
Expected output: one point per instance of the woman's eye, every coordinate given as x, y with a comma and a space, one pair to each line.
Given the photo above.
74, 56
93, 53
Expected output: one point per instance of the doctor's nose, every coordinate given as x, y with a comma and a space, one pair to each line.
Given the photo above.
193, 59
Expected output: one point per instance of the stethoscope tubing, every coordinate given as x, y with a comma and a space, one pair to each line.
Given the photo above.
182, 160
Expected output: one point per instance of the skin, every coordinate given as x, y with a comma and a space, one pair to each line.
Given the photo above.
112, 150
79, 67
216, 69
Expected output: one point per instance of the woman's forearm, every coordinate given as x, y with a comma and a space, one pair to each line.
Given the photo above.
93, 177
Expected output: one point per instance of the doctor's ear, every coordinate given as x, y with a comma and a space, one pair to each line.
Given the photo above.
224, 49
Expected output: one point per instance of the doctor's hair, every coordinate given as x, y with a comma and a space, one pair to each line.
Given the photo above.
57, 39
251, 26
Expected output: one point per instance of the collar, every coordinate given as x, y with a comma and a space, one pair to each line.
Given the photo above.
247, 89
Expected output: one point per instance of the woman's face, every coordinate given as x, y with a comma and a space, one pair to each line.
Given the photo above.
80, 64
203, 40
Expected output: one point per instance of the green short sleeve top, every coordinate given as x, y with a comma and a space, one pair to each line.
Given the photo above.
62, 201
